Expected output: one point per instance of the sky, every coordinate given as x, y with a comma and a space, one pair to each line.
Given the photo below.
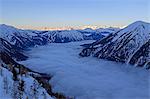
73, 13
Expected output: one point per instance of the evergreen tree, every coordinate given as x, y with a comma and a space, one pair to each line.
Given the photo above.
5, 82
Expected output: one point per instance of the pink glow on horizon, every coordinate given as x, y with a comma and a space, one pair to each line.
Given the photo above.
67, 27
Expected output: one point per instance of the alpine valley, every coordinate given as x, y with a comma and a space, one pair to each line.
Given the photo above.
104, 63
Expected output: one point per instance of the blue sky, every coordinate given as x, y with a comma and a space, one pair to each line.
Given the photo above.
60, 13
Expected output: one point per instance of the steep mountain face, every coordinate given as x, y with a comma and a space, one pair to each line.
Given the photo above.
63, 36
142, 56
12, 50
130, 45
21, 38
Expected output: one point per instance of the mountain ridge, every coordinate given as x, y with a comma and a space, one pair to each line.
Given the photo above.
122, 45
30, 38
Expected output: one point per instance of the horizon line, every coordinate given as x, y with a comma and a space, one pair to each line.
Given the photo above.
29, 27
63, 27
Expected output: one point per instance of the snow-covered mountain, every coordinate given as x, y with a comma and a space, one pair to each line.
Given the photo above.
90, 34
12, 50
29, 38
21, 38
130, 45
63, 36
14, 41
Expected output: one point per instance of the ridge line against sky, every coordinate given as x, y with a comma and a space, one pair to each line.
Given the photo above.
36, 14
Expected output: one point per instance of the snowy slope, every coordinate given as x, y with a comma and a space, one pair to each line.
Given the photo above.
123, 45
21, 38
12, 50
6, 31
63, 36
7, 87
71, 35
25, 86
87, 78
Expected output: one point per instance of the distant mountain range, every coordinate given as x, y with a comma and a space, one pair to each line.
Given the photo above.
29, 38
128, 45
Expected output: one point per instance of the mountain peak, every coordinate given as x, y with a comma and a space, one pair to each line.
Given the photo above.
140, 28
138, 23
6, 26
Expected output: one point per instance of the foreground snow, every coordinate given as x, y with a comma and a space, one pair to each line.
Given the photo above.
10, 89
88, 78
